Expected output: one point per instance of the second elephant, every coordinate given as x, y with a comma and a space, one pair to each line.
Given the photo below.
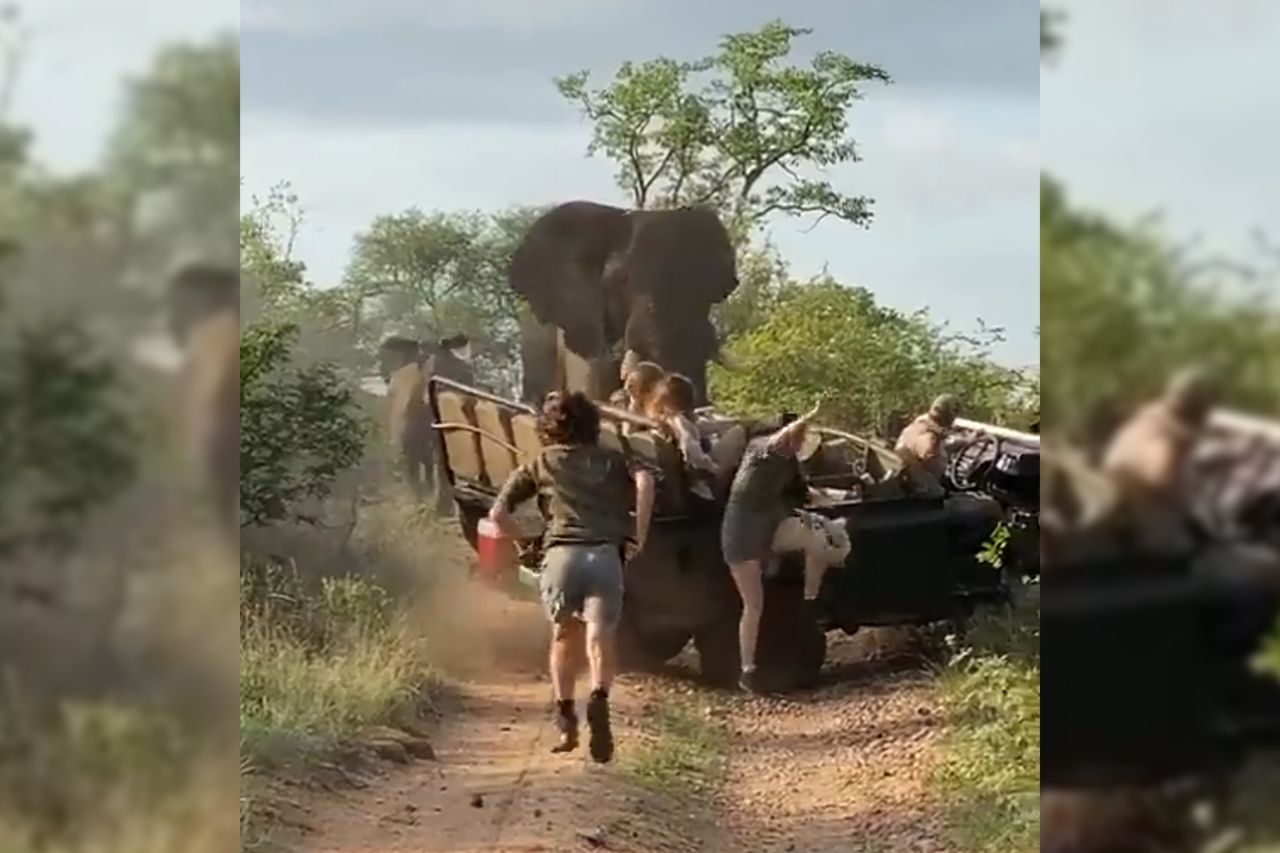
406, 366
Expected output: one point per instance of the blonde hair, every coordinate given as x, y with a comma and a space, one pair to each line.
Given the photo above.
641, 382
674, 395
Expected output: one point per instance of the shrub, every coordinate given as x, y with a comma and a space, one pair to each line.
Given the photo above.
299, 427
991, 769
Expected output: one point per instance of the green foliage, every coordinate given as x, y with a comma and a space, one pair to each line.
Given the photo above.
824, 336
431, 275
762, 277
1121, 310
68, 441
72, 769
1268, 658
299, 427
173, 161
317, 664
341, 608
734, 130
267, 233
993, 550
990, 771
1050, 31
684, 750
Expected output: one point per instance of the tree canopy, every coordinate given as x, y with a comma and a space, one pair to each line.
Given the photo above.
744, 130
883, 365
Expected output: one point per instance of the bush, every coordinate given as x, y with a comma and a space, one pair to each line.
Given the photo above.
1268, 659
823, 336
299, 427
991, 769
68, 442
318, 664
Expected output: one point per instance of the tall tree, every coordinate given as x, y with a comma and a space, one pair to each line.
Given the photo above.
745, 129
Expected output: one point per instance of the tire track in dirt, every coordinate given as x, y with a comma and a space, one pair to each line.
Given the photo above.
842, 769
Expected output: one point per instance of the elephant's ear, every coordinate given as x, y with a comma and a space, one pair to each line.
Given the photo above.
685, 251
558, 268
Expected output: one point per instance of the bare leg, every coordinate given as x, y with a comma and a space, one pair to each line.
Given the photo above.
601, 639
566, 655
748, 577
601, 647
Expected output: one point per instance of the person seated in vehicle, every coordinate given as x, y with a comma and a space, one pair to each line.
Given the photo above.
1149, 453
710, 446
639, 382
585, 491
1148, 456
922, 446
763, 517
925, 447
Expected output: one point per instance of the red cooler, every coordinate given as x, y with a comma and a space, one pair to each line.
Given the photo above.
496, 560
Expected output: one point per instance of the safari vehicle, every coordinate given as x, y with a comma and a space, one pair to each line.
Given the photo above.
913, 561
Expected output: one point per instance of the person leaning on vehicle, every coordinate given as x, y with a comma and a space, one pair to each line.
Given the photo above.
763, 518
922, 446
585, 492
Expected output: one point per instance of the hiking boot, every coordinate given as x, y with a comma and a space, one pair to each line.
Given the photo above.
751, 682
601, 745
567, 725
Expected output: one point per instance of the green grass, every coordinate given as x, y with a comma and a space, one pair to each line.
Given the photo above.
319, 662
685, 749
107, 777
990, 771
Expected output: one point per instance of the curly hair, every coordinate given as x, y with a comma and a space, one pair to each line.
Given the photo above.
569, 418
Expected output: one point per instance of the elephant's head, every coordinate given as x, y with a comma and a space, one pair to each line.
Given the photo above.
199, 291
679, 264
450, 358
643, 280
395, 353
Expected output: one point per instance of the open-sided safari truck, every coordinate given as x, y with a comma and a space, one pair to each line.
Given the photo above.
912, 562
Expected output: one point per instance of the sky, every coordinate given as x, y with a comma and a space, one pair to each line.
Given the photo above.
1168, 107
375, 107
1155, 105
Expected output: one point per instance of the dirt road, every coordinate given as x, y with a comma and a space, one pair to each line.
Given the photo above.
844, 768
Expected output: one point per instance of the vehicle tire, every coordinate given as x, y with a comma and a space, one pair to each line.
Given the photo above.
718, 658
662, 646
641, 650
791, 648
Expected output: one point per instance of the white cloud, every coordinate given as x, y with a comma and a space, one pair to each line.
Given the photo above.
922, 163
916, 130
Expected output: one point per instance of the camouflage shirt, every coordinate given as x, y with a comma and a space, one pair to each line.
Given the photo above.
585, 493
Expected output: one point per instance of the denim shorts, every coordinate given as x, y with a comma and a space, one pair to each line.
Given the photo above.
582, 582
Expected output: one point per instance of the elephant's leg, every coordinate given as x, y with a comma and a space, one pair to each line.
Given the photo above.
444, 495
411, 460
538, 359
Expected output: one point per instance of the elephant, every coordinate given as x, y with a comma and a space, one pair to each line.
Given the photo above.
406, 366
601, 280
204, 317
